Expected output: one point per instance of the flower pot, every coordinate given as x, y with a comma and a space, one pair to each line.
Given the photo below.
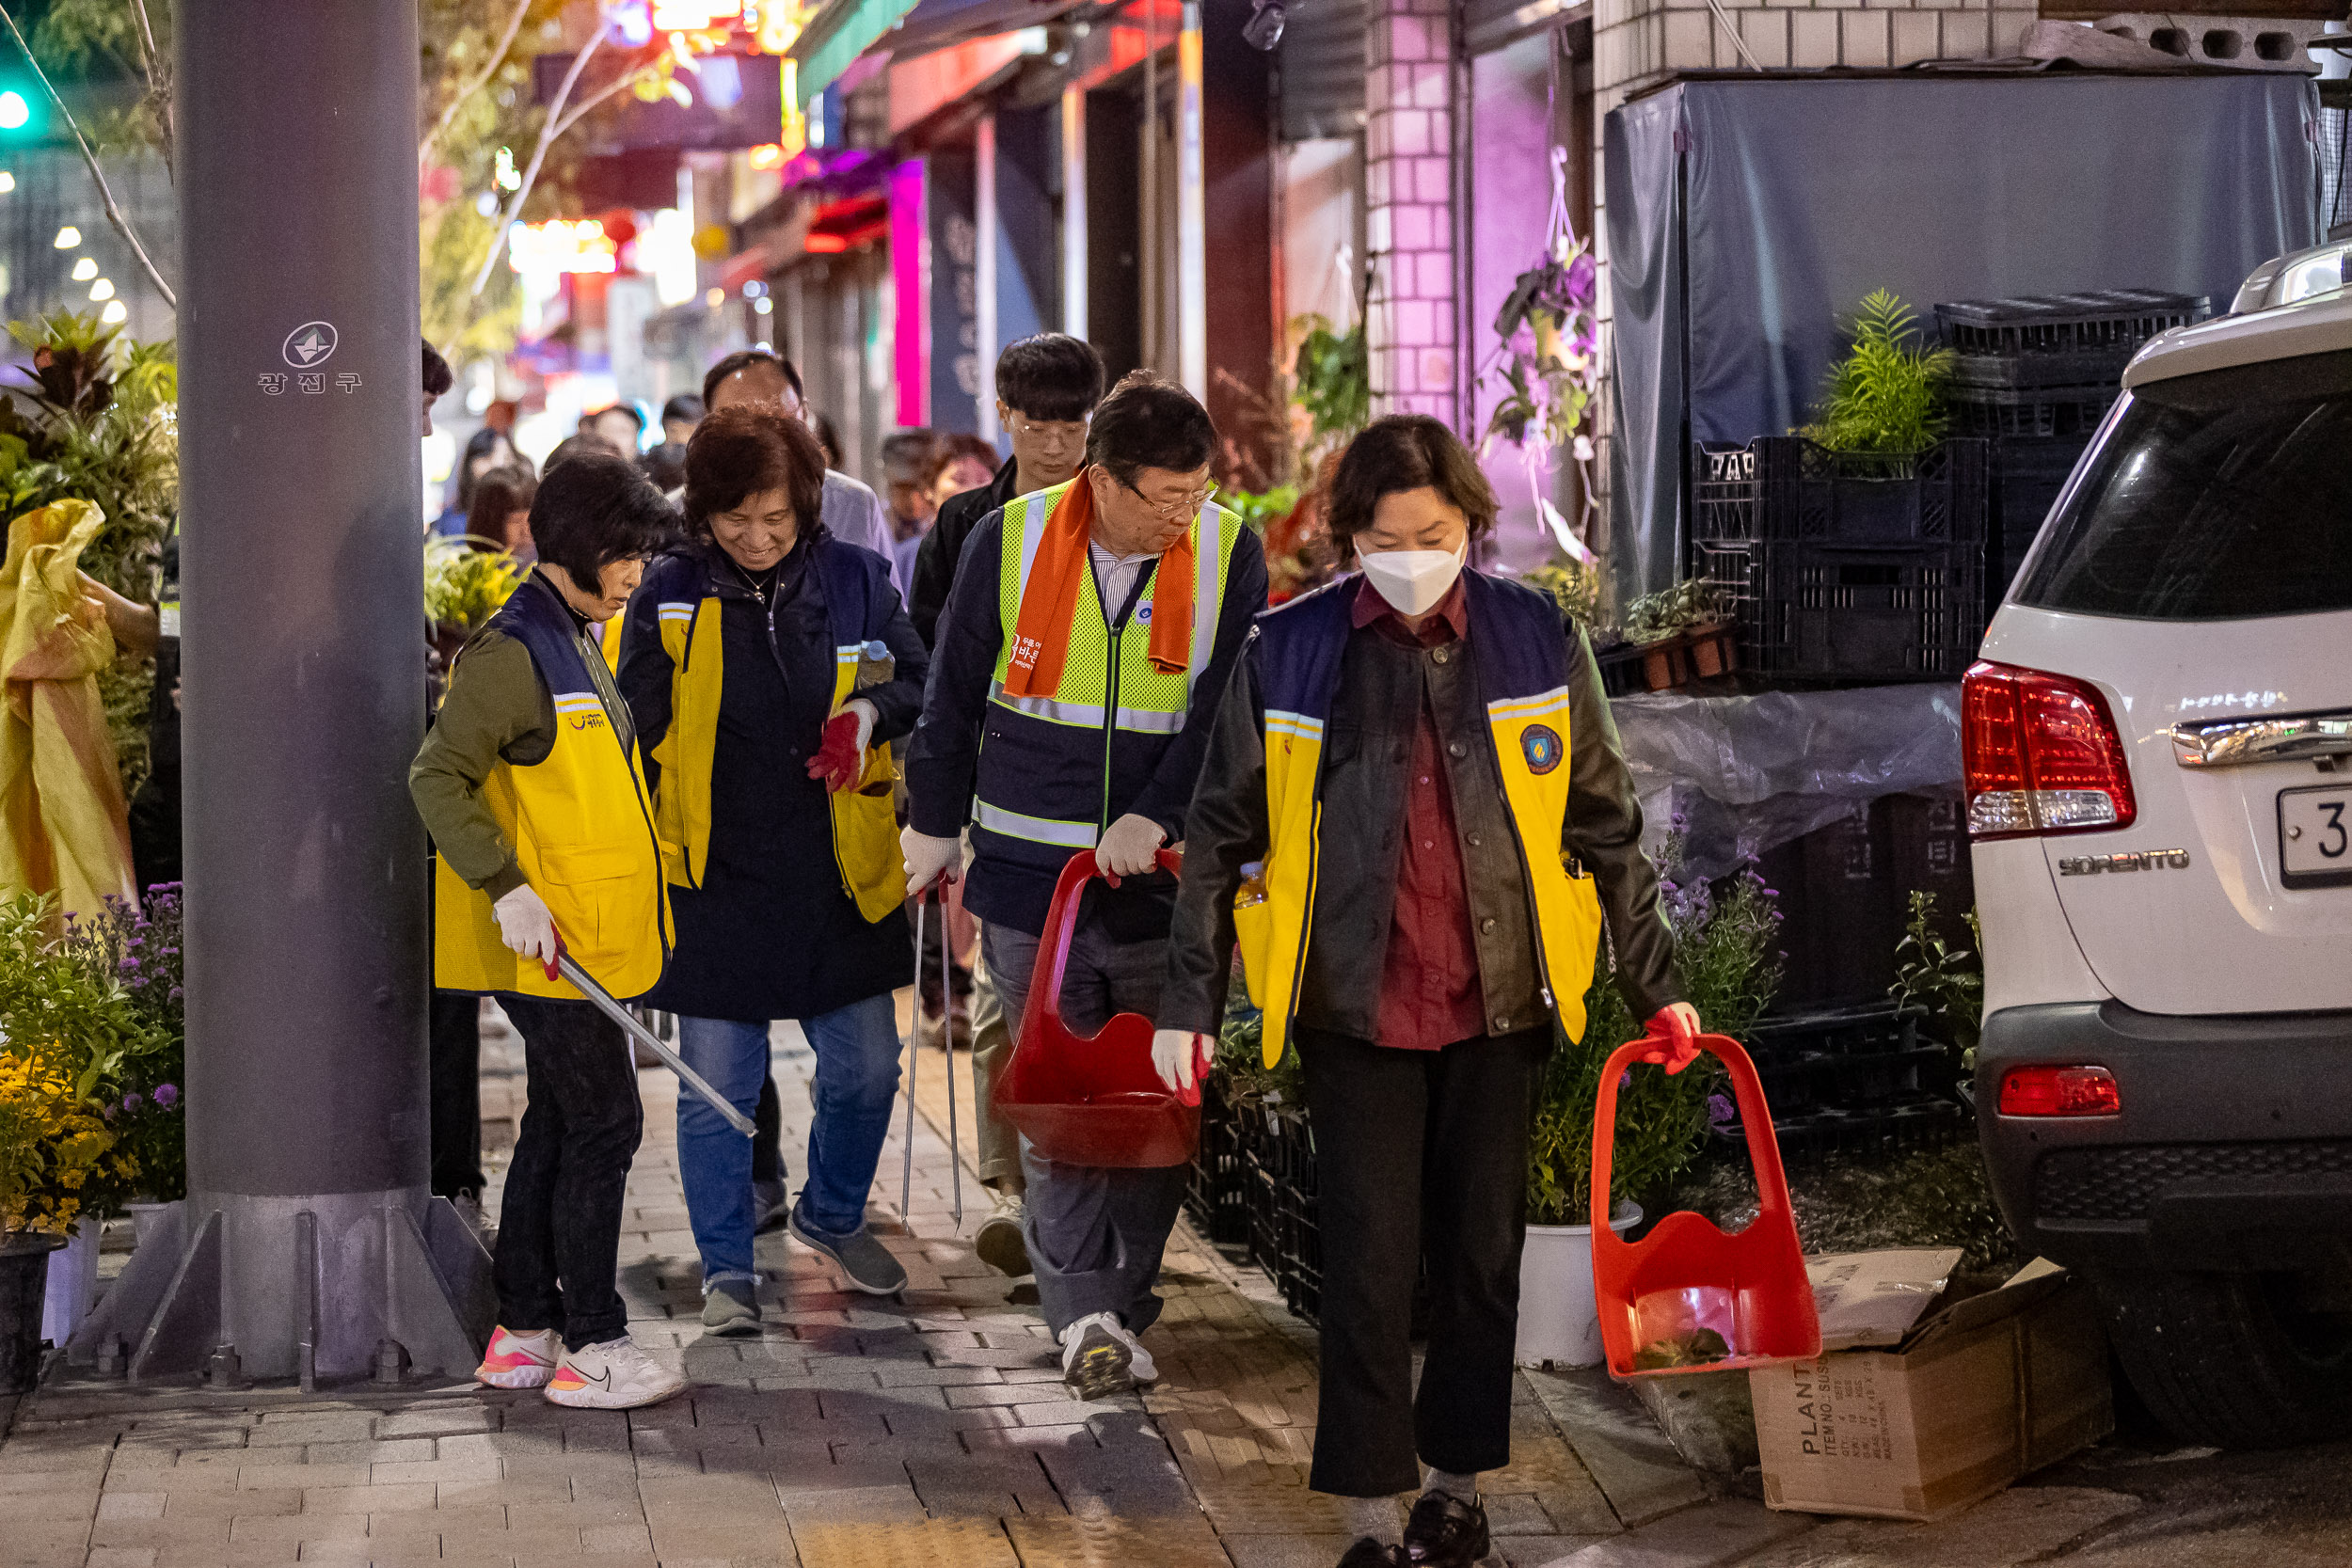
23, 1277
1559, 1321
72, 1284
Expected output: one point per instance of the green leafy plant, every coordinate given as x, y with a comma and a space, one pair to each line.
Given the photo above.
1575, 588
138, 946
1887, 396
1331, 380
1546, 369
1258, 509
1693, 603
1945, 980
464, 586
1726, 947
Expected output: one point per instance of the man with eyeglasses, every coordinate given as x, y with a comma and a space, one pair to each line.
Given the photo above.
1089, 632
1046, 390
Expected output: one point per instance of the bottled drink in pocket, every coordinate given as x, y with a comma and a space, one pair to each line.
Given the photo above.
875, 666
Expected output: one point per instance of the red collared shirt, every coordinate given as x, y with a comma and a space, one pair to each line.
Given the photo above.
1430, 995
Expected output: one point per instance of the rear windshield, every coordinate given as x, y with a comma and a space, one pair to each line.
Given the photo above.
2223, 496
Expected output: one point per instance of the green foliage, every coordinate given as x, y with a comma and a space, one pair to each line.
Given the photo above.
102, 38
1727, 949
1258, 509
1693, 603
1575, 588
464, 586
138, 948
1948, 981
1331, 380
1886, 395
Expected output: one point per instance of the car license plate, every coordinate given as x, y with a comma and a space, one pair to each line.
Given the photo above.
2316, 836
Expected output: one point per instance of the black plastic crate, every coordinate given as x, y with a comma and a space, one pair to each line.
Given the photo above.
2032, 411
1785, 489
2016, 371
2028, 474
1854, 1080
1832, 612
1923, 1122
1216, 1194
2093, 322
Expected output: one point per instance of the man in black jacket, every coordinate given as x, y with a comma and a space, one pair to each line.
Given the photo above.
1084, 623
1046, 390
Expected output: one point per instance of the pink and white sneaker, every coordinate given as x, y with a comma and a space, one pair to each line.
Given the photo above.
519, 1360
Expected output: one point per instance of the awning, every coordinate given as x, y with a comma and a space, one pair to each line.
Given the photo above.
938, 24
838, 33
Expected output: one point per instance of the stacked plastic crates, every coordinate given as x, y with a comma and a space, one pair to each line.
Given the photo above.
1854, 1082
1845, 567
2034, 375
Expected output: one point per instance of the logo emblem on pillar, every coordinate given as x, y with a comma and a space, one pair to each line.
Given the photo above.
310, 344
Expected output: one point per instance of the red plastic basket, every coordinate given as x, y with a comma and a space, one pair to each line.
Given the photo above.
1686, 1275
1091, 1100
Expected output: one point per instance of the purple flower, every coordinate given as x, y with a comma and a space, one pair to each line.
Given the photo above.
129, 966
1624, 1079
1771, 893
175, 995
1581, 273
1721, 1112
167, 1096
132, 1102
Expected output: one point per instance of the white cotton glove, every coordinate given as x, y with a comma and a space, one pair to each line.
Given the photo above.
1129, 845
1181, 1058
929, 859
525, 924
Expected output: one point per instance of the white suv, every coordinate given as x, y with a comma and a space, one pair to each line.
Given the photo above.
2159, 773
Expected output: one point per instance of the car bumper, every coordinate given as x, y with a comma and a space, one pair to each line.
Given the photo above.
2233, 1151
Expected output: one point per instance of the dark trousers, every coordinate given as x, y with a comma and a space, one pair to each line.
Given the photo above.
1419, 1153
455, 1075
768, 1148
560, 1230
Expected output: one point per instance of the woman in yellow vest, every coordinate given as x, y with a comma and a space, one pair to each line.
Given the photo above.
1415, 755
770, 667
529, 783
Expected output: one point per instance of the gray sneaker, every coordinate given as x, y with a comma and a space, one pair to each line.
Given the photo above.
770, 1206
729, 1309
1000, 1244
864, 1261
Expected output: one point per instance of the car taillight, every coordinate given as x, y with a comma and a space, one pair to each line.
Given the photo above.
2041, 754
2060, 1091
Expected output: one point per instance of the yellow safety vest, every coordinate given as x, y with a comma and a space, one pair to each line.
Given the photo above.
581, 826
1523, 672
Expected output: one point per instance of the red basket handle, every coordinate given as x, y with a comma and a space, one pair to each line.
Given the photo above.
1062, 920
1676, 1051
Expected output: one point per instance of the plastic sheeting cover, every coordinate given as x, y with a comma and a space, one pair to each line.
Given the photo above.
1747, 774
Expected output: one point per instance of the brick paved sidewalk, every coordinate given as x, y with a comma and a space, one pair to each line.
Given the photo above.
856, 1433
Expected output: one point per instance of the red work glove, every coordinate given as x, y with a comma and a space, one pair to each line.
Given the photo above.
841, 754
1676, 1025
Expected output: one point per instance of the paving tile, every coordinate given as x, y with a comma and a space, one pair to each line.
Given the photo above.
2021, 1525
922, 1544
1706, 1537
1099, 1542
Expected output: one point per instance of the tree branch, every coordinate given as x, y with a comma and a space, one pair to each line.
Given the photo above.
539, 154
157, 71
482, 78
580, 110
114, 213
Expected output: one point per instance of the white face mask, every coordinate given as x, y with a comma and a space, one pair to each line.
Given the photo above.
1413, 581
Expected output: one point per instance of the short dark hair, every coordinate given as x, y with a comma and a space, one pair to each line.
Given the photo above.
439, 378
741, 451
594, 509
743, 358
954, 449
686, 405
478, 445
636, 415
506, 489
907, 456
579, 446
1406, 452
1052, 376
1149, 422
665, 465
827, 437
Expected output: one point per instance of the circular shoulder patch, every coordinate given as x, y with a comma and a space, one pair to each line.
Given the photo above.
1540, 744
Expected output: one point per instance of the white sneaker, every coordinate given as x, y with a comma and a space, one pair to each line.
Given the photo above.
614, 1375
519, 1360
1100, 1358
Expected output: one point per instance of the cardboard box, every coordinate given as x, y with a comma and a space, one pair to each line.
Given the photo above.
1960, 1398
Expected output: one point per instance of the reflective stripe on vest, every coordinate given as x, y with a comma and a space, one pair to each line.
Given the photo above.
1107, 689
1522, 660
864, 830
583, 835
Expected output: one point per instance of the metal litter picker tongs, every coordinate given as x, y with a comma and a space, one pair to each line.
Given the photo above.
569, 968
915, 1055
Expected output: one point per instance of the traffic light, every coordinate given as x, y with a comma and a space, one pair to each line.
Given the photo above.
22, 116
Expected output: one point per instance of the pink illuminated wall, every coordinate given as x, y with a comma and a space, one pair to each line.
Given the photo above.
911, 317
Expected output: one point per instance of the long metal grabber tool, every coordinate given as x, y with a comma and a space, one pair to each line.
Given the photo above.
915, 1058
569, 969
947, 1039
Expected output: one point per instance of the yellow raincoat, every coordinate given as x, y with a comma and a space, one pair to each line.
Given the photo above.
67, 829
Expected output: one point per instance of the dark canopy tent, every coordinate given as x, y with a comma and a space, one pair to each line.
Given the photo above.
1748, 213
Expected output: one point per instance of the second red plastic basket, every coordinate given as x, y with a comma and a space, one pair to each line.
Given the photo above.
1091, 1100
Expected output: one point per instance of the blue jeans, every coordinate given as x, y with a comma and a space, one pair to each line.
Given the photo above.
857, 1082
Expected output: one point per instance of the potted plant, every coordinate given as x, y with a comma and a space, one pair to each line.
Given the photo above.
1727, 949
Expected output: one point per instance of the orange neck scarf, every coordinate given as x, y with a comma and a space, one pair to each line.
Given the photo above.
1040, 634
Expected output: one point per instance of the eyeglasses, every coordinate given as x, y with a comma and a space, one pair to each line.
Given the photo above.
1068, 433
1184, 506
